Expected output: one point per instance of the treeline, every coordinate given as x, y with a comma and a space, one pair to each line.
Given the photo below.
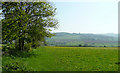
82, 46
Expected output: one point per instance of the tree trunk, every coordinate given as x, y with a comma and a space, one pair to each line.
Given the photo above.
20, 45
23, 44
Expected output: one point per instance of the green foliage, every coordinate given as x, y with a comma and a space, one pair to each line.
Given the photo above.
27, 22
35, 44
8, 48
15, 66
27, 47
80, 45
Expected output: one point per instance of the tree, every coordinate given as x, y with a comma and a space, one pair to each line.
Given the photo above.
27, 22
80, 45
85, 45
104, 46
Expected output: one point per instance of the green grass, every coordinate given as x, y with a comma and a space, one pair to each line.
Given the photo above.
69, 59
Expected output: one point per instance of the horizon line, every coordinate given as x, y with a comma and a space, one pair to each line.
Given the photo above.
83, 32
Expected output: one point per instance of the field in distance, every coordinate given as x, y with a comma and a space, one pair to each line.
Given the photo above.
69, 59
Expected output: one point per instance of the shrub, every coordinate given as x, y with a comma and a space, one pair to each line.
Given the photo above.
8, 48
15, 66
27, 47
104, 46
35, 44
80, 45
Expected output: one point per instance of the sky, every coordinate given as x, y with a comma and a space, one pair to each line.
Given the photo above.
87, 16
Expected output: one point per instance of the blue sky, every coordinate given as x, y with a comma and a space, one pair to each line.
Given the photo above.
87, 17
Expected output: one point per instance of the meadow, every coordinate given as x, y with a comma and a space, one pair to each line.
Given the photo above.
67, 59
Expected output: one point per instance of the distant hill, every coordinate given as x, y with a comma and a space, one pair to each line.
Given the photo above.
111, 34
78, 39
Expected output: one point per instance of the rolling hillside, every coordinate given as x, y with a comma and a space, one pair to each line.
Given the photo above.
77, 39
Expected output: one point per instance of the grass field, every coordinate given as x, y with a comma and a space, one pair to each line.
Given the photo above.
69, 59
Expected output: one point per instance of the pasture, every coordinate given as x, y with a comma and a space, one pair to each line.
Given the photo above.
68, 59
